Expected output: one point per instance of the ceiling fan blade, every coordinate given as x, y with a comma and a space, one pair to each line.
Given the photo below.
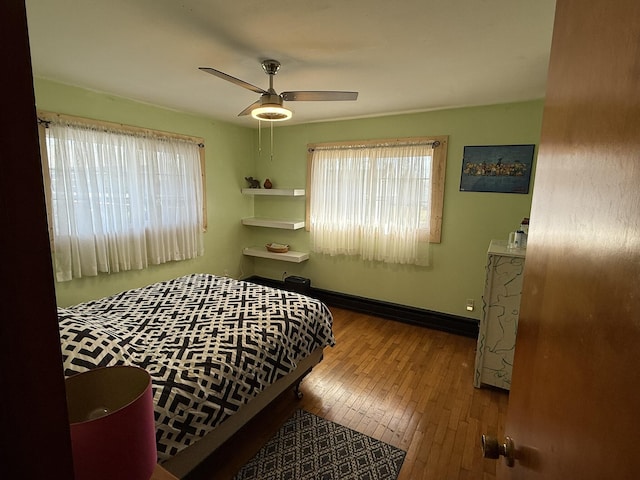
247, 110
231, 79
309, 96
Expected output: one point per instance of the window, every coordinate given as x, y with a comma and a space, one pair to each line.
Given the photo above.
120, 198
379, 199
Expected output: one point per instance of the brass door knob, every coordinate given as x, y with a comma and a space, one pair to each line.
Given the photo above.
491, 448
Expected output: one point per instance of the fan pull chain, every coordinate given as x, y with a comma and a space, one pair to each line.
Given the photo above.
259, 139
271, 141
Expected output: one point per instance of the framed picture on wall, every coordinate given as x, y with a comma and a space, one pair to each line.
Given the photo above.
497, 168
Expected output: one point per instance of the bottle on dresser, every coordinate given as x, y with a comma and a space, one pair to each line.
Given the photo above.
524, 231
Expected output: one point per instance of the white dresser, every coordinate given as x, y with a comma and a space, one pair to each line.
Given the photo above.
499, 323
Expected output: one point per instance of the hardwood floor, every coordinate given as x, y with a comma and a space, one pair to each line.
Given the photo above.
406, 385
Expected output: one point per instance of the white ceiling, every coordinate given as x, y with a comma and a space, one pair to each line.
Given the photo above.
402, 56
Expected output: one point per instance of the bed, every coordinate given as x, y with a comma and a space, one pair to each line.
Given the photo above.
218, 351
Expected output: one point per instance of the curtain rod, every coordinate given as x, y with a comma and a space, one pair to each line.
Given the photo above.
433, 143
47, 118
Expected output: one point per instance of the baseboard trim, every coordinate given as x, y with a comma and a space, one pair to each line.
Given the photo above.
463, 326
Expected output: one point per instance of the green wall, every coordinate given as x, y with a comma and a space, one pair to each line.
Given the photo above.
229, 154
470, 220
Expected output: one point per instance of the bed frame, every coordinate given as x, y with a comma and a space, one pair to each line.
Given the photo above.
186, 460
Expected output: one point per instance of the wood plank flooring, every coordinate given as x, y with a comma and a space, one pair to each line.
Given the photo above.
406, 385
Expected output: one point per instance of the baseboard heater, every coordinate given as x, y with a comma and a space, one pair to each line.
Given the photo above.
463, 326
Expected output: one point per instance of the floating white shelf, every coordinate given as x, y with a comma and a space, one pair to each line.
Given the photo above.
273, 223
262, 252
282, 192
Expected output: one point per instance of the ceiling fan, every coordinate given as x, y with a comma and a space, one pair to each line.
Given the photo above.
270, 105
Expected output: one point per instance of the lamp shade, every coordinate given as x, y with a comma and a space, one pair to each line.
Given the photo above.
112, 424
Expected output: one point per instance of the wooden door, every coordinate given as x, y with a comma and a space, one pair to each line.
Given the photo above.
35, 431
574, 407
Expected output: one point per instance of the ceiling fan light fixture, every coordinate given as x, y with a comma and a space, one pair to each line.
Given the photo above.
269, 106
271, 113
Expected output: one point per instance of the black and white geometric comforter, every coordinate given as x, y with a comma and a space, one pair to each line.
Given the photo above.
210, 344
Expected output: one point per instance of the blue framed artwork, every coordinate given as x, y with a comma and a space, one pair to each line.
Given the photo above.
497, 168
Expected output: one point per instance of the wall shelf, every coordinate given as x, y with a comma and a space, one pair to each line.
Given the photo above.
262, 252
281, 192
273, 223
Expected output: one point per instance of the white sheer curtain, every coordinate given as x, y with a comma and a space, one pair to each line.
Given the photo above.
373, 201
121, 201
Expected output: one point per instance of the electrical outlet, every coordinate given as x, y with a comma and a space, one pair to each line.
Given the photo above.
470, 305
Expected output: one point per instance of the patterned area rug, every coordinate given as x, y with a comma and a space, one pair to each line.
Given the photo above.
308, 447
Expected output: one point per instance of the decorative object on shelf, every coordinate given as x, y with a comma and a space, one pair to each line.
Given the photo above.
112, 423
277, 247
268, 184
497, 168
253, 183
